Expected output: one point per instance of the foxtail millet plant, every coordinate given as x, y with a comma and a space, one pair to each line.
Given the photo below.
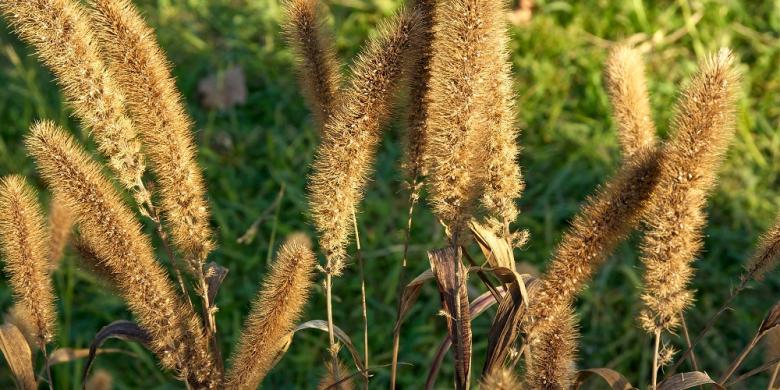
624, 77
23, 242
702, 129
278, 307
451, 60
318, 69
110, 229
60, 33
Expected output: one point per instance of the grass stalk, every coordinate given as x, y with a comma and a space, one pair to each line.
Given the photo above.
363, 301
655, 359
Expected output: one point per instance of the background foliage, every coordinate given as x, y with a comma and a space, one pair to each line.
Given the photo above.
251, 151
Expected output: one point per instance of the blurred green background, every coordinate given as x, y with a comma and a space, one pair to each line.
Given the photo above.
252, 150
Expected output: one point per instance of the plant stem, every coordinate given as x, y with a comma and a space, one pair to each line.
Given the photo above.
413, 197
738, 361
709, 325
333, 348
687, 336
42, 346
655, 359
363, 299
773, 378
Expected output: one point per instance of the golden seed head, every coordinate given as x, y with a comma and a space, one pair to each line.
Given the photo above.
60, 33
345, 157
60, 227
766, 255
554, 350
624, 74
335, 375
109, 227
702, 129
274, 313
501, 378
23, 241
157, 109
318, 68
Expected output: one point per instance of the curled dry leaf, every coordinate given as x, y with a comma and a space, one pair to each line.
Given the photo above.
340, 334
451, 278
477, 307
17, 354
121, 329
496, 250
615, 379
687, 380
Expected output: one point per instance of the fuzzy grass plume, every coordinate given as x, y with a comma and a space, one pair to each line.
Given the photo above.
350, 137
469, 73
501, 378
553, 351
157, 109
702, 129
60, 33
110, 229
767, 254
274, 313
624, 75
503, 181
319, 70
23, 243
419, 87
335, 377
60, 228
603, 222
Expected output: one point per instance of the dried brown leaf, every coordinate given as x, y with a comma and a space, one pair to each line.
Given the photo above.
17, 354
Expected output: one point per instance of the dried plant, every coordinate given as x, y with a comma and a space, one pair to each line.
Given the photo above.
100, 380
336, 377
60, 227
456, 119
349, 139
502, 378
624, 76
318, 68
142, 72
110, 228
553, 349
702, 129
274, 314
23, 243
59, 30
451, 59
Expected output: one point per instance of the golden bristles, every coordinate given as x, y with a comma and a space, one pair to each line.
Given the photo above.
336, 377
501, 378
605, 219
23, 241
553, 350
350, 137
61, 35
109, 228
142, 72
503, 182
624, 74
60, 227
319, 70
419, 87
767, 254
274, 313
702, 129
471, 137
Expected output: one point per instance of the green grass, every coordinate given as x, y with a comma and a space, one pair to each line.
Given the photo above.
569, 147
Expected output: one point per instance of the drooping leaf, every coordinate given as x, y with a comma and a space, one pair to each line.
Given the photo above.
121, 329
340, 334
687, 380
18, 356
215, 275
505, 327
